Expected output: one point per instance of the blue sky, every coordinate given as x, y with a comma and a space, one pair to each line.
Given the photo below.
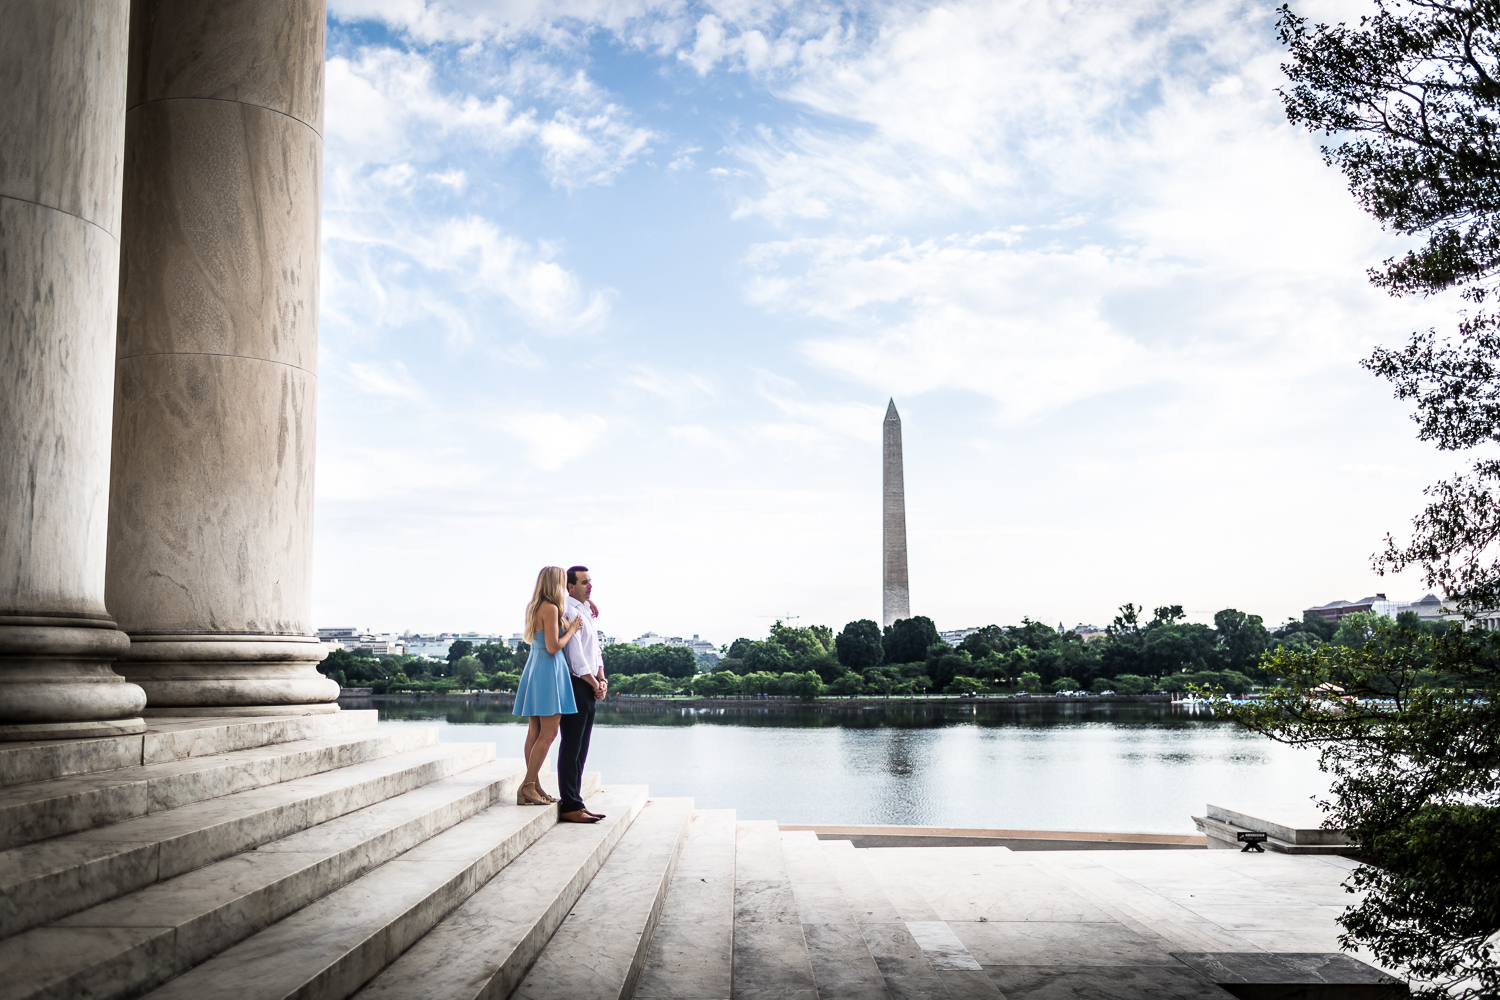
629, 284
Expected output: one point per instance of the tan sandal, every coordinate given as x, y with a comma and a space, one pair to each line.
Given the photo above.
522, 799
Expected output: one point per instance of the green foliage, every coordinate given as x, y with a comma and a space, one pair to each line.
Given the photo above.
859, 645
647, 685
943, 664
504, 682
768, 657
827, 667
966, 685
801, 643
760, 684
671, 661
1242, 638
1029, 681
738, 648
907, 639
465, 669
623, 659
1065, 684
718, 684
847, 686
807, 685
1132, 684
987, 641
1358, 628
495, 656
1413, 745
459, 649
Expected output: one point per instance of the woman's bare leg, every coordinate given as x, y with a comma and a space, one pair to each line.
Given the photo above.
536, 753
533, 728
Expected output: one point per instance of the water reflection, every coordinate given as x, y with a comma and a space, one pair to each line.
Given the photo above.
1081, 766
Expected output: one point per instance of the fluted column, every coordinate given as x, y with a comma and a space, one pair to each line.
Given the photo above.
62, 77
211, 492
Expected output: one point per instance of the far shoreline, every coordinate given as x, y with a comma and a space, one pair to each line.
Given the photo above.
357, 697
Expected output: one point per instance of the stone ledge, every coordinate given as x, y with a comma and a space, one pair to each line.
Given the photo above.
165, 740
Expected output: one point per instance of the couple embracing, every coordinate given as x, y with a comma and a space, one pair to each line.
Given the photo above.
564, 677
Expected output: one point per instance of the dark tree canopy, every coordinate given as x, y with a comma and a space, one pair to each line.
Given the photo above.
859, 645
458, 649
906, 639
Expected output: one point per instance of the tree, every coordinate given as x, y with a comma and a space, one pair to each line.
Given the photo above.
1170, 647
1412, 93
1358, 628
760, 683
466, 669
1029, 681
1064, 684
966, 685
768, 657
505, 682
807, 685
1243, 638
943, 664
458, 649
738, 648
622, 659
859, 645
985, 641
1414, 751
847, 686
493, 655
718, 684
906, 639
670, 661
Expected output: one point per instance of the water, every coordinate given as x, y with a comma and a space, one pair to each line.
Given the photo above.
1122, 768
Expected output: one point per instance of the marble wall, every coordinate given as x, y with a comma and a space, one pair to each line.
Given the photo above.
63, 73
211, 489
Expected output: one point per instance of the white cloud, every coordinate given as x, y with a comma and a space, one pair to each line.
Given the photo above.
551, 439
391, 380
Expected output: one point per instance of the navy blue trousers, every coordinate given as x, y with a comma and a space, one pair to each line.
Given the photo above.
576, 728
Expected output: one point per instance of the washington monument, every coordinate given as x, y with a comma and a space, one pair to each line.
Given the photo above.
897, 602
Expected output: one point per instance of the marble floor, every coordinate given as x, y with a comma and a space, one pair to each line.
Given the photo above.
1112, 924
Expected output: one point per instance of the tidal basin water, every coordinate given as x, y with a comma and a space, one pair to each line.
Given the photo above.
1086, 766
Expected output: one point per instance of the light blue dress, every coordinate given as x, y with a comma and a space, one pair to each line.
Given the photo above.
546, 686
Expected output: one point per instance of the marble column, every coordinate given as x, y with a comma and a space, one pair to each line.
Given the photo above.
211, 489
895, 595
62, 73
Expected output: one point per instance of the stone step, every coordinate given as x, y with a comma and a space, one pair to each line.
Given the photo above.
336, 945
484, 947
47, 880
692, 951
841, 962
168, 739
43, 809
131, 944
770, 952
600, 949
917, 953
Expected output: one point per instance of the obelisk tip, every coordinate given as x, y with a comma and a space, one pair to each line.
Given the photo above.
890, 411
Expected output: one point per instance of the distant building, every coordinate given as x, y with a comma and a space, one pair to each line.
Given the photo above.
955, 636
1336, 610
1089, 632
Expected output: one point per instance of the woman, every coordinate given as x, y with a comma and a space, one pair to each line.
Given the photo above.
545, 692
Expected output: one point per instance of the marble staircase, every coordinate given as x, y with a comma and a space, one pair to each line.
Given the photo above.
323, 857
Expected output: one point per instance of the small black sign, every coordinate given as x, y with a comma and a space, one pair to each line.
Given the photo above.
1252, 841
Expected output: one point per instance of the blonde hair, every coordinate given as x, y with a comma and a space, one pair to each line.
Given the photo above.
549, 590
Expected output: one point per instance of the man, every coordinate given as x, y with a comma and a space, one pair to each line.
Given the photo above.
586, 670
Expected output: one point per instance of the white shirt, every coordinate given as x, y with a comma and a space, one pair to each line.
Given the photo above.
582, 651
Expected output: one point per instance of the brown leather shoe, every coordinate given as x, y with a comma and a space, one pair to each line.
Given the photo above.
577, 816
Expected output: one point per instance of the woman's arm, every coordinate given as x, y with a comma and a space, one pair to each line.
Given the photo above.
548, 614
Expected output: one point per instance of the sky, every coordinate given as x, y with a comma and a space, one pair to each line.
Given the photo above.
629, 284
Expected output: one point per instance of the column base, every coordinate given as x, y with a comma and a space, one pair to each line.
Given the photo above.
218, 675
56, 681
232, 711
72, 730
